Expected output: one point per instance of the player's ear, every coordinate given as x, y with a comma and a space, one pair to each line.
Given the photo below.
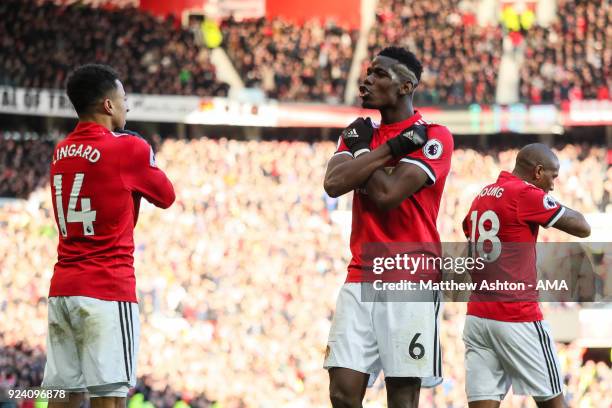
406, 88
108, 106
538, 171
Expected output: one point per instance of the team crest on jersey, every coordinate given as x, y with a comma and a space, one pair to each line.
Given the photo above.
433, 149
550, 202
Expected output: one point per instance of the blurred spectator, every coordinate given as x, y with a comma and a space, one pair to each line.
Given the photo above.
40, 43
460, 58
571, 59
24, 163
291, 62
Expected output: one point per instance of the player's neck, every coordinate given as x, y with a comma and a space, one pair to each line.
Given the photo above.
396, 114
518, 173
102, 120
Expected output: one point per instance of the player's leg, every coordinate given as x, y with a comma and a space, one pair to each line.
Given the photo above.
108, 402
408, 341
403, 392
105, 402
529, 356
109, 333
486, 382
347, 387
75, 399
484, 404
352, 354
109, 395
63, 367
555, 402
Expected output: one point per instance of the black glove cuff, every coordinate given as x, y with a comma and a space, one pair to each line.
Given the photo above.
359, 146
395, 146
408, 141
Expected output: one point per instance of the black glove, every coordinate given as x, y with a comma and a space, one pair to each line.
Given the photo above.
408, 141
358, 135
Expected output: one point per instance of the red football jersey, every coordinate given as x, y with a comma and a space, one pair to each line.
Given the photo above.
97, 180
414, 220
503, 224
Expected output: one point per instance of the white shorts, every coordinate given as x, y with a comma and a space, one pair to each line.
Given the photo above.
401, 338
92, 345
499, 354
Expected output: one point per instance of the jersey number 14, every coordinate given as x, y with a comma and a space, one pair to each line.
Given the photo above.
86, 216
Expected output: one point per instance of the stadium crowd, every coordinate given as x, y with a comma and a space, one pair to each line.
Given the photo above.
568, 60
571, 59
459, 57
41, 43
291, 62
237, 281
23, 163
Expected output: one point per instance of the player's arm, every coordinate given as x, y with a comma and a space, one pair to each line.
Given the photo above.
345, 173
536, 206
573, 223
387, 191
350, 166
141, 175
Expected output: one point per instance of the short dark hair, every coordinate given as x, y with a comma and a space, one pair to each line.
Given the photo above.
405, 57
88, 84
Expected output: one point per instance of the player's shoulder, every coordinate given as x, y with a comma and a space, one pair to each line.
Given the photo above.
521, 191
439, 143
128, 138
525, 187
435, 130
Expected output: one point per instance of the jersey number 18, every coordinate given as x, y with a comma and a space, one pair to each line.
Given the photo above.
484, 235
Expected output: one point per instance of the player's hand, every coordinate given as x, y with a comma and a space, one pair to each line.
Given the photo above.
358, 135
408, 141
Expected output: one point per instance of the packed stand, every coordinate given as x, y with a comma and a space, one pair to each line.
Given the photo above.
459, 57
290, 62
237, 281
571, 59
23, 162
41, 42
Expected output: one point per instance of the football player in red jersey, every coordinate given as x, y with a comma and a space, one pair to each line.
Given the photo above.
98, 177
507, 342
397, 171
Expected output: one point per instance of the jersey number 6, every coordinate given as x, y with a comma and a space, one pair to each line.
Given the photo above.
416, 350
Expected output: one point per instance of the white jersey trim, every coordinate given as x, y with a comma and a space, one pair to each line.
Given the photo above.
427, 171
556, 217
343, 152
